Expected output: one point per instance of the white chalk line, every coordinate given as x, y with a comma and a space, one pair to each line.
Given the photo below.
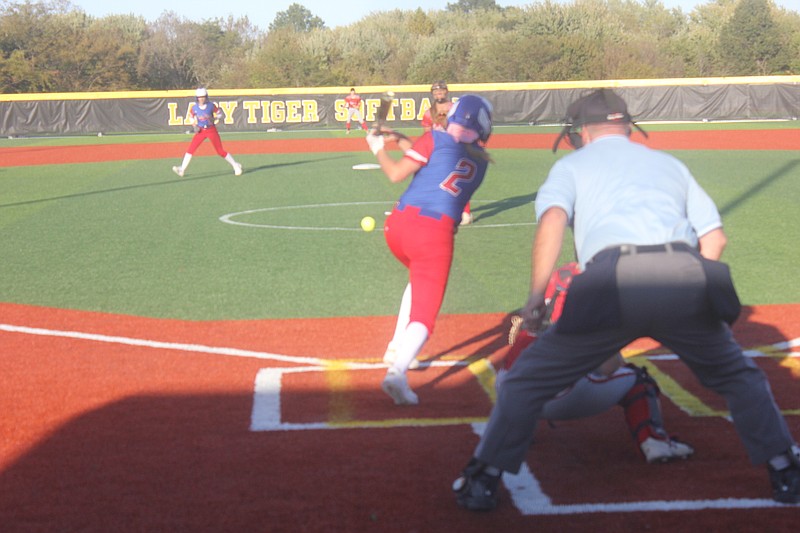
229, 218
316, 363
529, 498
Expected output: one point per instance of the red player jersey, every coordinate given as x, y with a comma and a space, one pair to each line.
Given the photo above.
352, 101
427, 119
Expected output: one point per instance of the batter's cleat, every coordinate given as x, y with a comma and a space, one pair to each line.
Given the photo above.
395, 384
178, 171
466, 219
390, 356
662, 451
786, 481
476, 488
237, 169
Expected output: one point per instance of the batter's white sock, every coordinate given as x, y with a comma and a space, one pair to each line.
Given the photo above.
403, 316
229, 158
186, 159
409, 347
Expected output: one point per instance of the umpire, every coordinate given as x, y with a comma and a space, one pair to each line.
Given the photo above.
648, 239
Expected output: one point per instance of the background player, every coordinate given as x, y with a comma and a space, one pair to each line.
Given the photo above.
204, 118
447, 167
435, 117
353, 104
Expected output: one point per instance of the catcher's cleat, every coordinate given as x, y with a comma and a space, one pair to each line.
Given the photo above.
476, 488
395, 384
786, 481
237, 169
466, 219
390, 356
662, 451
178, 171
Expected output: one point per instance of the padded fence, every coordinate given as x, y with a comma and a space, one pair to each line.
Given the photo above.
706, 99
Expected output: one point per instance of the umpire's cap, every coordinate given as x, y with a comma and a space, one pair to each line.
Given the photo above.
441, 84
602, 105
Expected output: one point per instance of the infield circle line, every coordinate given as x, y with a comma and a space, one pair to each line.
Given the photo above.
229, 218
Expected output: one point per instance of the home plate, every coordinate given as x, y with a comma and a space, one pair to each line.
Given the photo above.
366, 166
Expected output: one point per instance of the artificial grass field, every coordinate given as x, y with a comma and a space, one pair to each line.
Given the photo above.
130, 237
115, 422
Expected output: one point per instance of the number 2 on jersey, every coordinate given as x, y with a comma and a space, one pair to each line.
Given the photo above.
464, 172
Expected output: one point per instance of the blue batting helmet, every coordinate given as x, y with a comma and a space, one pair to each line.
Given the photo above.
473, 112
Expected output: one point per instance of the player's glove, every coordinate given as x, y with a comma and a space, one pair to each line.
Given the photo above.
534, 313
375, 142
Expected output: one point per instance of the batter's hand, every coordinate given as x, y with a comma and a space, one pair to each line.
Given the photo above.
375, 142
534, 312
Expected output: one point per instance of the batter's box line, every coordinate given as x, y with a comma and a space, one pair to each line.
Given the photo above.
266, 412
530, 500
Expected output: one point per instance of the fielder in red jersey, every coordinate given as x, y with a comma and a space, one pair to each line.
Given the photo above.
435, 118
447, 167
353, 104
203, 114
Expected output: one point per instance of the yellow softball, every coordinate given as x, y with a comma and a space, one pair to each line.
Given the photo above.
368, 223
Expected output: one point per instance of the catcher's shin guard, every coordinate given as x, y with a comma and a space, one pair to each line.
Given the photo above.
643, 408
643, 415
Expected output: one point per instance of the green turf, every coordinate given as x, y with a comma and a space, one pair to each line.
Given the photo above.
130, 237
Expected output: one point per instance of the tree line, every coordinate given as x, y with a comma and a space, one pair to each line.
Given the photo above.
53, 46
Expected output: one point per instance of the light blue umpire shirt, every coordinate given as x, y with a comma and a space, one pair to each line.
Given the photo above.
617, 192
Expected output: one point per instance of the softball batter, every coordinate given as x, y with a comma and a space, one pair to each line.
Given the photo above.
447, 167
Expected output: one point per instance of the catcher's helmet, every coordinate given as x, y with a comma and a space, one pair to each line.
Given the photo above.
201, 92
473, 112
441, 84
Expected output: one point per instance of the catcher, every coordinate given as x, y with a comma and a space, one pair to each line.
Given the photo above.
613, 383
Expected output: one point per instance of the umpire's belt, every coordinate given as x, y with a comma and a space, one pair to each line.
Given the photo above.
633, 249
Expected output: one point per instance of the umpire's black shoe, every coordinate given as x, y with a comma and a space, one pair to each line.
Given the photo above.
786, 481
476, 489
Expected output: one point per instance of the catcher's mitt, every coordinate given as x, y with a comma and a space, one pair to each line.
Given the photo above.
518, 337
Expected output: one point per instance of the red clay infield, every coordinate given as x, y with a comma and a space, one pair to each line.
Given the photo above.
120, 423
664, 140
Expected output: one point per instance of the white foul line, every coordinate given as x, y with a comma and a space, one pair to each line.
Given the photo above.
315, 362
199, 348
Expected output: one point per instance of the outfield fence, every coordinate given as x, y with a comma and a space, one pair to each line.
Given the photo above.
254, 110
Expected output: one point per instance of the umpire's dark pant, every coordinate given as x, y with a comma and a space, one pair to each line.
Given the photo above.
658, 294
